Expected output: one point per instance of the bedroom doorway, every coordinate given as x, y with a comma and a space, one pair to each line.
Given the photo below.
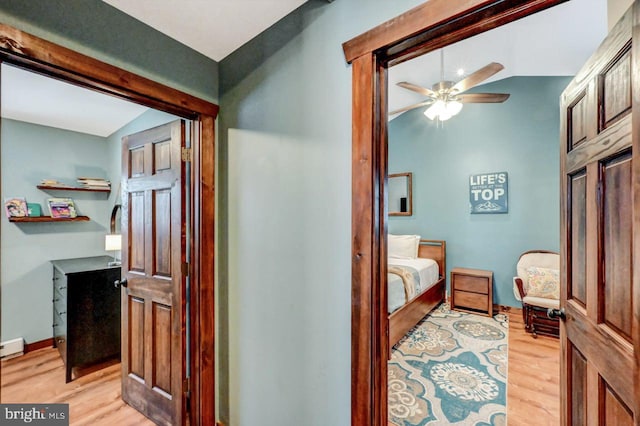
29, 52
74, 153
503, 79
426, 28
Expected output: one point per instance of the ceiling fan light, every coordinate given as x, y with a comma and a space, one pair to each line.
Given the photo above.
430, 113
435, 110
453, 107
444, 116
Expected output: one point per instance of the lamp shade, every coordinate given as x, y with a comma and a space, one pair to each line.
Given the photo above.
113, 242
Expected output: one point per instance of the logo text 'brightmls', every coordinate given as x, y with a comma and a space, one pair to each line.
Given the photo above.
36, 414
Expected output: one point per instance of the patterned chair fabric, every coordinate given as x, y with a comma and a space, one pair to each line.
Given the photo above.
534, 309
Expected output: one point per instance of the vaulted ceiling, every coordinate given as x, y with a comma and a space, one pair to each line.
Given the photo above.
554, 42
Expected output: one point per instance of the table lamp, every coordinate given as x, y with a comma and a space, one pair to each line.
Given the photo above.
113, 242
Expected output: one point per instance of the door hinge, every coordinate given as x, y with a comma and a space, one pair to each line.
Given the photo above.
185, 269
186, 154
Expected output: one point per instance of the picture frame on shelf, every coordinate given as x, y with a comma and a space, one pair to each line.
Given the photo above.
62, 208
16, 207
34, 210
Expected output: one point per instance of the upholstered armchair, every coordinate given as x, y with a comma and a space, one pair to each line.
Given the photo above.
537, 285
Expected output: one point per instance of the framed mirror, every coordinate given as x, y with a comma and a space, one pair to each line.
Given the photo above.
399, 192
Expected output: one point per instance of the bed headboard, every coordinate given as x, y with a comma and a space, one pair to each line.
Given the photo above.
436, 250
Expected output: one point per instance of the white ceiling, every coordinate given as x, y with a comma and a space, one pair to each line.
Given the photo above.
33, 98
555, 42
214, 28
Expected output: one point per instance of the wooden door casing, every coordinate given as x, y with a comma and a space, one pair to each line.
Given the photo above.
429, 26
153, 231
27, 51
597, 177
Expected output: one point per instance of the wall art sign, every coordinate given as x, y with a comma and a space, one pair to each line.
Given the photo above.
489, 192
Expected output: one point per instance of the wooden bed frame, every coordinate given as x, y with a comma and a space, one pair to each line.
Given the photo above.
407, 316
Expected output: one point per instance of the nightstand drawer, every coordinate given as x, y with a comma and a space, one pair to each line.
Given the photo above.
472, 290
474, 284
470, 300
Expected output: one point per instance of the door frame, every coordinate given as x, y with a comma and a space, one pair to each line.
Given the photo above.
432, 25
43, 57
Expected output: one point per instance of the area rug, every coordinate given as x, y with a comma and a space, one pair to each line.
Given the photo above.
451, 369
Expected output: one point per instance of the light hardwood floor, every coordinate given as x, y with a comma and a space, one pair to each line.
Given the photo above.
94, 398
533, 388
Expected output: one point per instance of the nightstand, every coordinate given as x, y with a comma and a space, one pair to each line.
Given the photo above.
472, 291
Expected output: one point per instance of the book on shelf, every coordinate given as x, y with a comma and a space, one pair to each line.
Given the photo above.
16, 207
62, 207
55, 183
93, 183
34, 210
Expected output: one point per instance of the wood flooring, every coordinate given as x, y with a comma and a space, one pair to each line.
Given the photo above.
533, 388
93, 398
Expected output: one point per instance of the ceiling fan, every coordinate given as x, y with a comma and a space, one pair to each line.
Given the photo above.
447, 97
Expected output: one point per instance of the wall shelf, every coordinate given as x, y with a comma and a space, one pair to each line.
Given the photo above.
32, 219
72, 188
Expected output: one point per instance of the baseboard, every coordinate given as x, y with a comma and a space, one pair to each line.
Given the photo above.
30, 347
219, 424
507, 309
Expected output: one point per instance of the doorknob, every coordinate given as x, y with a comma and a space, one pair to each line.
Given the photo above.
556, 313
119, 283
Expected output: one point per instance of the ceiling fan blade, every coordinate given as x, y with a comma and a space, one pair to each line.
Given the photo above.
483, 98
407, 108
477, 77
419, 89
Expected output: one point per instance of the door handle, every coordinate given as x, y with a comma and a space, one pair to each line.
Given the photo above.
120, 283
556, 313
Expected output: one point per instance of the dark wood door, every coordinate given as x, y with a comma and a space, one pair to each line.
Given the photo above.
153, 255
597, 181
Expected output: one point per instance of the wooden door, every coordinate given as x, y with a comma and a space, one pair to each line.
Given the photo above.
153, 255
597, 181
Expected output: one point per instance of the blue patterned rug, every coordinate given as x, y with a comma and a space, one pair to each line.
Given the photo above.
451, 369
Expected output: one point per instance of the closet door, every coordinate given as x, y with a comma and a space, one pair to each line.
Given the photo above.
153, 301
597, 182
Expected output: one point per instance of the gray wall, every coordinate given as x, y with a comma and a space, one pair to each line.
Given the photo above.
31, 153
285, 170
520, 137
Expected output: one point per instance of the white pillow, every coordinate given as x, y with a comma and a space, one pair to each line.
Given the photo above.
403, 246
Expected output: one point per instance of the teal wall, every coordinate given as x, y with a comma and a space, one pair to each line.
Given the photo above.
31, 153
521, 137
97, 29
285, 188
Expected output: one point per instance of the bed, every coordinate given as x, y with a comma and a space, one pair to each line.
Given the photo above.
427, 268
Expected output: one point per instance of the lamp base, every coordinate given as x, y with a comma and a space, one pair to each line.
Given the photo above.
114, 263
